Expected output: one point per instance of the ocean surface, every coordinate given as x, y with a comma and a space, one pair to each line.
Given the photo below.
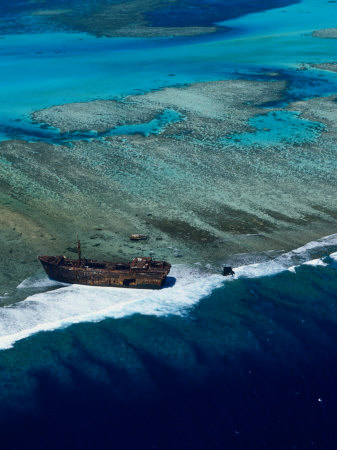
246, 362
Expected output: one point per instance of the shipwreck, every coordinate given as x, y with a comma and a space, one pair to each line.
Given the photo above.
140, 273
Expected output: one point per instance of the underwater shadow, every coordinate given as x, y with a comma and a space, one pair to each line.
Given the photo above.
221, 411
169, 282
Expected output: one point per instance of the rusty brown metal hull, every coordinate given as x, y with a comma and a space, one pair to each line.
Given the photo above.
82, 274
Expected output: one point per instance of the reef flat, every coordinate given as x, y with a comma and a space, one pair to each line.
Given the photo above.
227, 104
332, 67
327, 33
201, 188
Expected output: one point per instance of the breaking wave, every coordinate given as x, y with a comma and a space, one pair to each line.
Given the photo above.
307, 254
74, 303
71, 304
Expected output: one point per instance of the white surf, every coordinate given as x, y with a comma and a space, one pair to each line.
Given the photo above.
74, 304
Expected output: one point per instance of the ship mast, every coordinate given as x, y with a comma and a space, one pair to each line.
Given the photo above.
79, 250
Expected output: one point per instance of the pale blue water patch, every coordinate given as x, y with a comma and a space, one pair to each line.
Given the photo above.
155, 126
278, 128
35, 132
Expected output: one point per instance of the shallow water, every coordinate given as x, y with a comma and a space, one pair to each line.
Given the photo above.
279, 128
41, 70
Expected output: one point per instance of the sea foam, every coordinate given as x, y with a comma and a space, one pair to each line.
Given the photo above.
292, 259
74, 303
333, 256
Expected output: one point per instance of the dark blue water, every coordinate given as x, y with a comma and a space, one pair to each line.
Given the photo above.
17, 15
252, 366
207, 12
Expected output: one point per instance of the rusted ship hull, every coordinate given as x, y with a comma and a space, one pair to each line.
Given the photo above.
93, 273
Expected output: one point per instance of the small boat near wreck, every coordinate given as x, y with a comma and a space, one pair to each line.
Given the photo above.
140, 273
227, 271
138, 237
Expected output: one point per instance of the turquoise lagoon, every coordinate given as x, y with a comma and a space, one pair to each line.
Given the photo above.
38, 71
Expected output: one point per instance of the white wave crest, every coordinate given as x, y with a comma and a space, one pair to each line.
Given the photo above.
326, 241
316, 262
75, 303
333, 256
290, 260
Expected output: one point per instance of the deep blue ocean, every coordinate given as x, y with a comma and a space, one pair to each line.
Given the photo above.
245, 363
252, 365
